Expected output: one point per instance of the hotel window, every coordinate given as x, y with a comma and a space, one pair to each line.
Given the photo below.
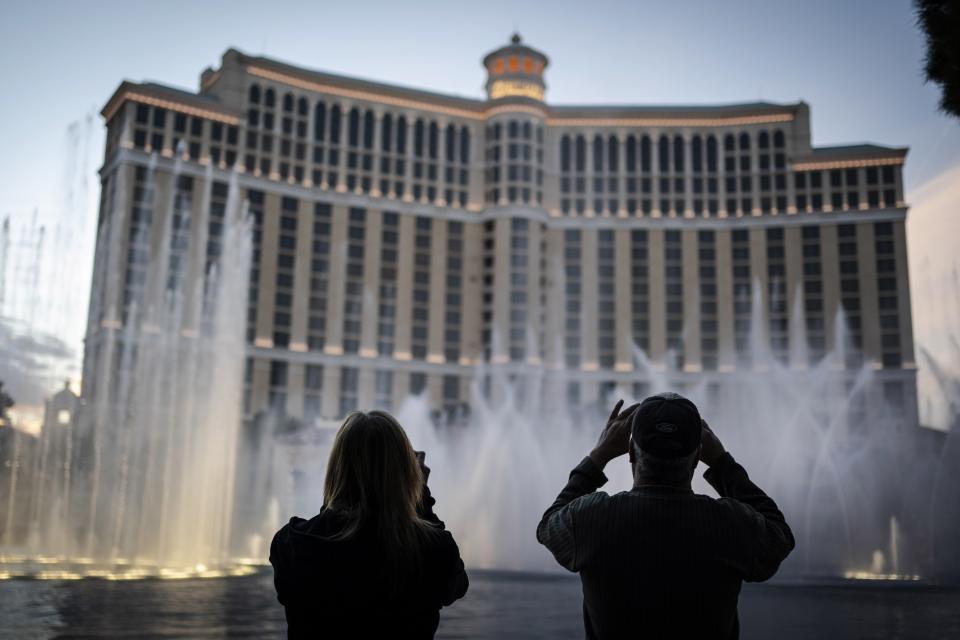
387, 316
486, 309
312, 392
418, 383
292, 136
216, 215
138, 249
887, 303
451, 396
348, 390
673, 288
148, 132
353, 287
742, 292
707, 266
813, 306
778, 306
424, 161
383, 389
319, 277
492, 156
565, 170
420, 321
179, 232
767, 176
516, 174
360, 132
640, 289
573, 296
334, 147
850, 291
187, 140
519, 307
456, 165
286, 256
454, 293
255, 211
606, 299
277, 393
261, 121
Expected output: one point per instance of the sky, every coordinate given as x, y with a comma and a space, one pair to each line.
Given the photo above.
858, 64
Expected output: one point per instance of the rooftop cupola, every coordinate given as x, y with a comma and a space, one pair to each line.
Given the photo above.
515, 72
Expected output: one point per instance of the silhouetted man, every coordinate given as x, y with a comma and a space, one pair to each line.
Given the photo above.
660, 561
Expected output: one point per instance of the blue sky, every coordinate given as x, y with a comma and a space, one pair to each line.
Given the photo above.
858, 64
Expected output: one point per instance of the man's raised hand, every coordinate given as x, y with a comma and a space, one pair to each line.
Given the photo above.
614, 440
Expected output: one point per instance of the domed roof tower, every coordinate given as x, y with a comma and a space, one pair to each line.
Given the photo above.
515, 72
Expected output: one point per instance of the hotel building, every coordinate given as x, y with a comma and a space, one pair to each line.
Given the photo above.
403, 237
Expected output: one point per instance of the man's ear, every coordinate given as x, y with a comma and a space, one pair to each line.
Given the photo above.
630, 451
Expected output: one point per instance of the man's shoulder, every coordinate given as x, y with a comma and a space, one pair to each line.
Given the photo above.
593, 500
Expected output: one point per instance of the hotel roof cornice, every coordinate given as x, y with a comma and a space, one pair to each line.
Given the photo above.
207, 104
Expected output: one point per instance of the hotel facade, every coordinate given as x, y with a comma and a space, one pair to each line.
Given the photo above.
402, 238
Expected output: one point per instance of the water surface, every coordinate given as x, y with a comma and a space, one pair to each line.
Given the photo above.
499, 605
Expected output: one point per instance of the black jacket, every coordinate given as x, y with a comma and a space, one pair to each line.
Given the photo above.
345, 589
663, 562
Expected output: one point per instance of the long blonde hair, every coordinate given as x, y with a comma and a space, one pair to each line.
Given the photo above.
373, 478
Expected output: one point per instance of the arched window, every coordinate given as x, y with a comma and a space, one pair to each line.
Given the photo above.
319, 121
664, 155
464, 145
418, 135
597, 154
646, 153
353, 128
744, 141
513, 129
540, 134
712, 154
678, 154
778, 140
565, 153
288, 102
302, 108
254, 93
729, 143
335, 124
763, 140
368, 130
631, 154
696, 153
270, 98
527, 131
450, 140
386, 132
401, 135
434, 135
496, 131
613, 152
581, 154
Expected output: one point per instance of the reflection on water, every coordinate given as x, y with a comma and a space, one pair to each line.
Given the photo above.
499, 605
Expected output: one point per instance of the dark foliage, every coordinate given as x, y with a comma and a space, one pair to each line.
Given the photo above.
5, 402
940, 21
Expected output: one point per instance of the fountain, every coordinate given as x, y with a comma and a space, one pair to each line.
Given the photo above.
142, 482
156, 477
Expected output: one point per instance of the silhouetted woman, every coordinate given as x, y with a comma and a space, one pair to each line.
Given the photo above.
375, 562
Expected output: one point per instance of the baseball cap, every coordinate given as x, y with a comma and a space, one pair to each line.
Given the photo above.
666, 425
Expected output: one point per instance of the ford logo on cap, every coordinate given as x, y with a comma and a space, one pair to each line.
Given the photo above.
666, 427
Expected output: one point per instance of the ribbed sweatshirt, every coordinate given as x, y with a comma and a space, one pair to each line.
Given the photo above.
662, 561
